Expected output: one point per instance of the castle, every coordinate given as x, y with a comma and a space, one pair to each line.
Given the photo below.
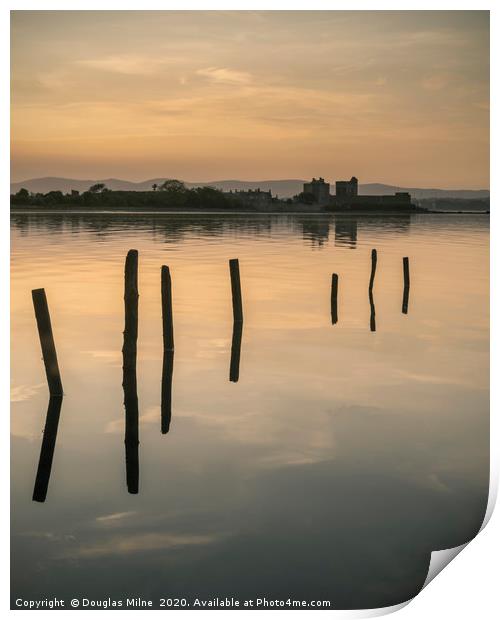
346, 197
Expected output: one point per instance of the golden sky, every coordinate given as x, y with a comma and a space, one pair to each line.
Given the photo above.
391, 97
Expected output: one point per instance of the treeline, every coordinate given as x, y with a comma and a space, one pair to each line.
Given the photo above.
171, 194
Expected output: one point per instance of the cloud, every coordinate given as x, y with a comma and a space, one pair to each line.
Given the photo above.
116, 426
142, 542
436, 82
276, 440
20, 393
112, 357
116, 516
225, 76
126, 64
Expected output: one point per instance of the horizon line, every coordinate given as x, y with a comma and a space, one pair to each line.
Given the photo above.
478, 189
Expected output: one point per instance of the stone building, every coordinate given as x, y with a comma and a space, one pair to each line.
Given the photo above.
255, 197
347, 198
319, 189
347, 188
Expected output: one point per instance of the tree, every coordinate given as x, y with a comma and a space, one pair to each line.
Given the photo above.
155, 186
98, 187
172, 185
22, 197
54, 196
209, 197
23, 194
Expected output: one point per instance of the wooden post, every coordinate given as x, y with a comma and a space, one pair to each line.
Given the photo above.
374, 268
47, 341
406, 277
370, 291
234, 367
166, 309
166, 390
129, 351
131, 298
47, 449
406, 271
168, 349
234, 269
335, 290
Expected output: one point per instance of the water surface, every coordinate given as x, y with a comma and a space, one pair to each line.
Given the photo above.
329, 471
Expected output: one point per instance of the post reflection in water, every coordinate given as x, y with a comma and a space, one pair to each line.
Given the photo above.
166, 390
234, 367
47, 449
406, 298
373, 327
132, 445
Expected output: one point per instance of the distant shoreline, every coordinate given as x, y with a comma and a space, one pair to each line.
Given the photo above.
36, 210
285, 188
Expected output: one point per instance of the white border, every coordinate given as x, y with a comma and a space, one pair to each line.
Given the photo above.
469, 586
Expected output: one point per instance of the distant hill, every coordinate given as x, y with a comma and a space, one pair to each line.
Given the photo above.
378, 189
469, 205
284, 188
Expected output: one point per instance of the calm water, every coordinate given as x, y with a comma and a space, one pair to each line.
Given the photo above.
340, 459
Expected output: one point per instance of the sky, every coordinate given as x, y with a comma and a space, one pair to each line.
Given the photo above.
391, 97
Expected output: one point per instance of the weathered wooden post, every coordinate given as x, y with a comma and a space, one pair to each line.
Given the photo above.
166, 390
168, 349
335, 290
166, 309
406, 277
47, 449
234, 268
374, 268
47, 341
129, 351
370, 291
234, 367
131, 298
